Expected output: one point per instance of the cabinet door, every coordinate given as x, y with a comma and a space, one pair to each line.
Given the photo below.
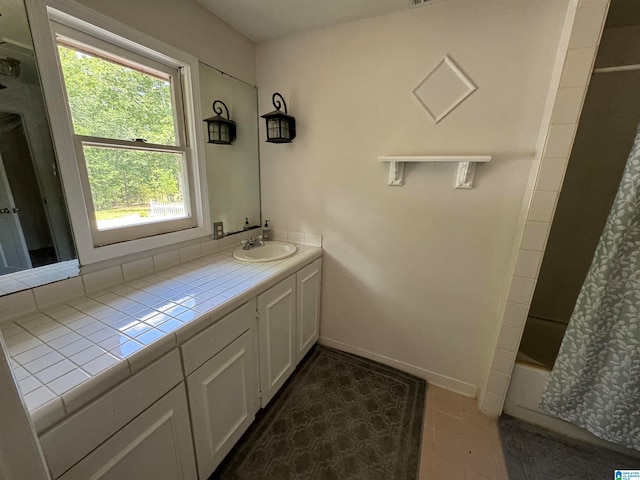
223, 396
276, 331
308, 282
156, 444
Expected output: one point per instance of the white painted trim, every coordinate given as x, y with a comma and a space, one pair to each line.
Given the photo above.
448, 61
128, 145
56, 107
62, 130
448, 383
432, 378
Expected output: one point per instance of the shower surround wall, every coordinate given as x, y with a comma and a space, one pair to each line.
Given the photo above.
414, 275
581, 35
603, 141
608, 125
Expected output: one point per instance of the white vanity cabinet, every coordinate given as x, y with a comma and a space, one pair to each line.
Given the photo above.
139, 429
308, 283
223, 392
156, 444
288, 326
276, 333
178, 417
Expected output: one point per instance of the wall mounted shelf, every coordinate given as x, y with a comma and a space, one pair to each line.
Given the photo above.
464, 177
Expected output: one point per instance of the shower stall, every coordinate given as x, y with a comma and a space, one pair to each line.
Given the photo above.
607, 127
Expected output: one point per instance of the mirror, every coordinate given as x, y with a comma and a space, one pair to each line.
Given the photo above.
233, 171
36, 245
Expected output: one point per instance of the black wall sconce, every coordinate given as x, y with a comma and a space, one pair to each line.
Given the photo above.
222, 131
281, 127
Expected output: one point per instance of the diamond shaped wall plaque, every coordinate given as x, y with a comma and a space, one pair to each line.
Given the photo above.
443, 89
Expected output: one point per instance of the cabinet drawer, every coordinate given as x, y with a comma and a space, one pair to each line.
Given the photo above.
72, 439
155, 445
212, 340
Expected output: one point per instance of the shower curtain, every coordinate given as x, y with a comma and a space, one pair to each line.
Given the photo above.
595, 382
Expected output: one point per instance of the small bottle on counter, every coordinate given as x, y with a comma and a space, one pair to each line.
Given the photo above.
266, 231
246, 223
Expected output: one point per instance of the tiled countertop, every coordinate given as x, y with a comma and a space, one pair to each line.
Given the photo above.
66, 355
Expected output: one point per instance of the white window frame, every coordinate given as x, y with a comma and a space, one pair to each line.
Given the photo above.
43, 14
79, 39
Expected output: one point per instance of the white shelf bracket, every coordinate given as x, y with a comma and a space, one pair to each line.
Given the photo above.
396, 173
466, 174
464, 177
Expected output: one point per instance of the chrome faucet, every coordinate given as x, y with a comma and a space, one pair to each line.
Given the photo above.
252, 243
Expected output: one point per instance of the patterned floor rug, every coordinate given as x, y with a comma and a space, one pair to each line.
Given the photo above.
533, 453
338, 417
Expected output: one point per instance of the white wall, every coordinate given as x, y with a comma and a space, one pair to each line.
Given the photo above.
414, 273
188, 26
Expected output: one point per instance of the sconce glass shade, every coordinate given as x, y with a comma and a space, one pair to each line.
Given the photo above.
281, 127
222, 131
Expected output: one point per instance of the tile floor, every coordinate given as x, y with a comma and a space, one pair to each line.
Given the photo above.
458, 441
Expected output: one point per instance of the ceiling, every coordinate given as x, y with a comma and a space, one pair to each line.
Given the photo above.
261, 20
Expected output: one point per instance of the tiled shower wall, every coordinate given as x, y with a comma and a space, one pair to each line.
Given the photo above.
576, 56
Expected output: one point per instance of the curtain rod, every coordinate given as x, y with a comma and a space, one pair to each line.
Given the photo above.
622, 68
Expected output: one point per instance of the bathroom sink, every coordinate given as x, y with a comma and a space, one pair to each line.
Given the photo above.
268, 252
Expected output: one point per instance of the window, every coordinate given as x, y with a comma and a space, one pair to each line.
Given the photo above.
127, 113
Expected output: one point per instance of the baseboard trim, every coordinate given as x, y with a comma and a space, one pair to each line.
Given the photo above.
433, 378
